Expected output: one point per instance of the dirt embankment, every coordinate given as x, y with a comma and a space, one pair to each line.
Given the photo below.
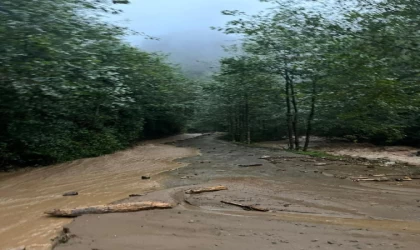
312, 203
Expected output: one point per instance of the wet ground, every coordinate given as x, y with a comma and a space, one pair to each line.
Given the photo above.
313, 203
342, 147
27, 193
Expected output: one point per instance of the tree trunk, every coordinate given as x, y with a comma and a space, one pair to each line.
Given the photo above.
311, 116
295, 114
118, 208
232, 126
289, 114
247, 127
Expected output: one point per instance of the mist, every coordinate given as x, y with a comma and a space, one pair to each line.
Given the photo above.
182, 29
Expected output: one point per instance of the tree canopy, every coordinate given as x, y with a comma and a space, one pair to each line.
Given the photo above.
71, 88
339, 69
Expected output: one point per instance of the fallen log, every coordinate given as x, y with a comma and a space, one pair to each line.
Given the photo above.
250, 165
72, 193
246, 207
371, 179
204, 190
102, 209
135, 195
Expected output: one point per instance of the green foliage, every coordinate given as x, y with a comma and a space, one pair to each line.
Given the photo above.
71, 88
339, 69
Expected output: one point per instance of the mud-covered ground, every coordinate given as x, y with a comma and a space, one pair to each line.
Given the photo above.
313, 203
26, 193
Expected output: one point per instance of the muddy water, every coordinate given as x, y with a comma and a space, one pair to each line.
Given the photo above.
25, 195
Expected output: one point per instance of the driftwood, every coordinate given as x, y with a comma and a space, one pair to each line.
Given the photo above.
117, 208
406, 178
370, 179
250, 165
135, 195
73, 193
207, 189
246, 207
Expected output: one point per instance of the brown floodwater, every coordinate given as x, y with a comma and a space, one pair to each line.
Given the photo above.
26, 194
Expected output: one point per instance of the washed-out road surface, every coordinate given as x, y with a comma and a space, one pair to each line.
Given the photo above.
313, 203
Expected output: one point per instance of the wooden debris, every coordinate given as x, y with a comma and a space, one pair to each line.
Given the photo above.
188, 202
361, 178
365, 179
73, 193
378, 175
117, 208
207, 189
265, 157
246, 207
145, 177
406, 178
250, 165
135, 195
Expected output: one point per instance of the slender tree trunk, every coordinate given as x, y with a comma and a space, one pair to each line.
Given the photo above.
289, 114
295, 115
248, 128
311, 115
295, 111
232, 125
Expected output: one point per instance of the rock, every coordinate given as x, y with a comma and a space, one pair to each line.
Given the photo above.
370, 166
418, 153
320, 164
331, 242
265, 157
145, 177
72, 193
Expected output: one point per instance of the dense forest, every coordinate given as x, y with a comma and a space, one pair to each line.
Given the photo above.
71, 87
343, 69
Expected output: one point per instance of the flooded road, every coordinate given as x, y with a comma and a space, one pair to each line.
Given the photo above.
312, 203
26, 194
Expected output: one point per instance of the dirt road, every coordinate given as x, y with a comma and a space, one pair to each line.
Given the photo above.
313, 204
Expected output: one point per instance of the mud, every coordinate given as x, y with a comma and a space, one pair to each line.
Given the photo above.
340, 147
26, 194
311, 206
